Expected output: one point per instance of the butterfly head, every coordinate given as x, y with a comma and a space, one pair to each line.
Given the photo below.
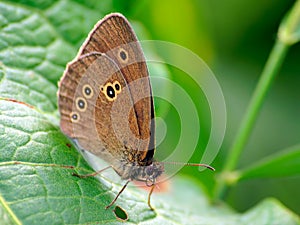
147, 174
153, 171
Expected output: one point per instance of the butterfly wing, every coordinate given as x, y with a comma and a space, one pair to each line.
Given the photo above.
97, 111
114, 36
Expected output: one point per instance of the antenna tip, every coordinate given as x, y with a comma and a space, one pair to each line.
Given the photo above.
210, 167
205, 165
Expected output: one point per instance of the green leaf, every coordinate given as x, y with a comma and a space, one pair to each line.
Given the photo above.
288, 162
37, 186
33, 57
270, 211
35, 183
76, 23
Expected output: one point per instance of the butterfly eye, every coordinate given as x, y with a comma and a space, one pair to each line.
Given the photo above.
149, 170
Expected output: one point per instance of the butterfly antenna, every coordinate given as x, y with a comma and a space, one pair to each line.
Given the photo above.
191, 164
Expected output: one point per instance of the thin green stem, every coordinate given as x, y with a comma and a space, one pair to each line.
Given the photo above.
271, 69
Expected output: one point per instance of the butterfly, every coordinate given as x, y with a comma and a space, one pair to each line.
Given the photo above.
106, 104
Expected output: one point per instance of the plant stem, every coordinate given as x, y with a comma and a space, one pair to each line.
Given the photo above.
272, 67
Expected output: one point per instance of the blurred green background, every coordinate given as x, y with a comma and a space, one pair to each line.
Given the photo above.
234, 38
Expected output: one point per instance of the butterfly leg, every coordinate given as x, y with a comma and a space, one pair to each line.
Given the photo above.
117, 196
149, 196
91, 174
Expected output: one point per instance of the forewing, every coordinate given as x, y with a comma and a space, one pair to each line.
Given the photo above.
104, 125
114, 36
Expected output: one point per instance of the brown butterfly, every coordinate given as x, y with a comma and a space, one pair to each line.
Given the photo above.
106, 105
